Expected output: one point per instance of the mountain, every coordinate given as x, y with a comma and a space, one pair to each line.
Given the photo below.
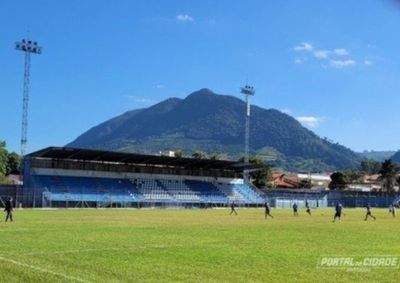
215, 124
396, 157
377, 155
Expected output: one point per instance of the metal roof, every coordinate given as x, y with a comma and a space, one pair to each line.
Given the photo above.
80, 154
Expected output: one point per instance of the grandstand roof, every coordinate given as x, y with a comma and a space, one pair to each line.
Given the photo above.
133, 158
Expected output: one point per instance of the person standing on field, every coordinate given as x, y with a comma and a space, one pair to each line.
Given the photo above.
295, 207
267, 210
233, 210
9, 209
338, 211
308, 210
392, 210
369, 213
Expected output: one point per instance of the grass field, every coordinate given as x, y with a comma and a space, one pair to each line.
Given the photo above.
126, 245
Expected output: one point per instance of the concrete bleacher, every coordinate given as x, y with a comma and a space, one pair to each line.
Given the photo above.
179, 190
150, 190
143, 189
207, 190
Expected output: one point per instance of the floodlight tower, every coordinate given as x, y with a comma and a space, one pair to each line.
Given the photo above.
27, 46
247, 91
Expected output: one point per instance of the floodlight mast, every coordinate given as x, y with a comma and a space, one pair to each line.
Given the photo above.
27, 46
247, 91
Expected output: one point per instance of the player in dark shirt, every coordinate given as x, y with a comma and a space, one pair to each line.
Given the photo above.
267, 210
295, 207
9, 209
392, 210
369, 213
233, 210
338, 212
308, 210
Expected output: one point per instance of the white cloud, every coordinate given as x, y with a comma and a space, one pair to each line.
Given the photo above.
139, 100
330, 58
367, 62
286, 111
298, 61
184, 18
342, 63
341, 52
309, 121
321, 54
305, 46
159, 86
142, 100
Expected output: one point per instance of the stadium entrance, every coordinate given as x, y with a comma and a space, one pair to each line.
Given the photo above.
71, 177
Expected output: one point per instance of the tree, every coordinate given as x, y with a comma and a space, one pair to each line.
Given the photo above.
353, 176
9, 162
305, 184
3, 160
13, 163
198, 155
262, 177
178, 153
338, 181
388, 175
214, 157
370, 166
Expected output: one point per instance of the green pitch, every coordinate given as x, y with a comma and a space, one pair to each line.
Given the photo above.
127, 245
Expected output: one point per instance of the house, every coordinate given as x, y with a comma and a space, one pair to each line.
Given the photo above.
14, 179
283, 180
316, 179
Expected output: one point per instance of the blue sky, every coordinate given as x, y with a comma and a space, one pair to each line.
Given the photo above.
334, 65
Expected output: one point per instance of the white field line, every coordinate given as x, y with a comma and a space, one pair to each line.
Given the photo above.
81, 251
43, 270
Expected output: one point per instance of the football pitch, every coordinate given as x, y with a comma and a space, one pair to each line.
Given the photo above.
130, 245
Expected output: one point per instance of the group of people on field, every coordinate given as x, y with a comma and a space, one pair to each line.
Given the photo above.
267, 210
8, 208
338, 210
296, 207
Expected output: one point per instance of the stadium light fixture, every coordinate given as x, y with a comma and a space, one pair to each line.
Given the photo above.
27, 46
247, 91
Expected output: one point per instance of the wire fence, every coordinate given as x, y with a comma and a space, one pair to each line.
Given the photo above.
25, 197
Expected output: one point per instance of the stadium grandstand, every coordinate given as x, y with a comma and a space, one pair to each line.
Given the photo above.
71, 177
